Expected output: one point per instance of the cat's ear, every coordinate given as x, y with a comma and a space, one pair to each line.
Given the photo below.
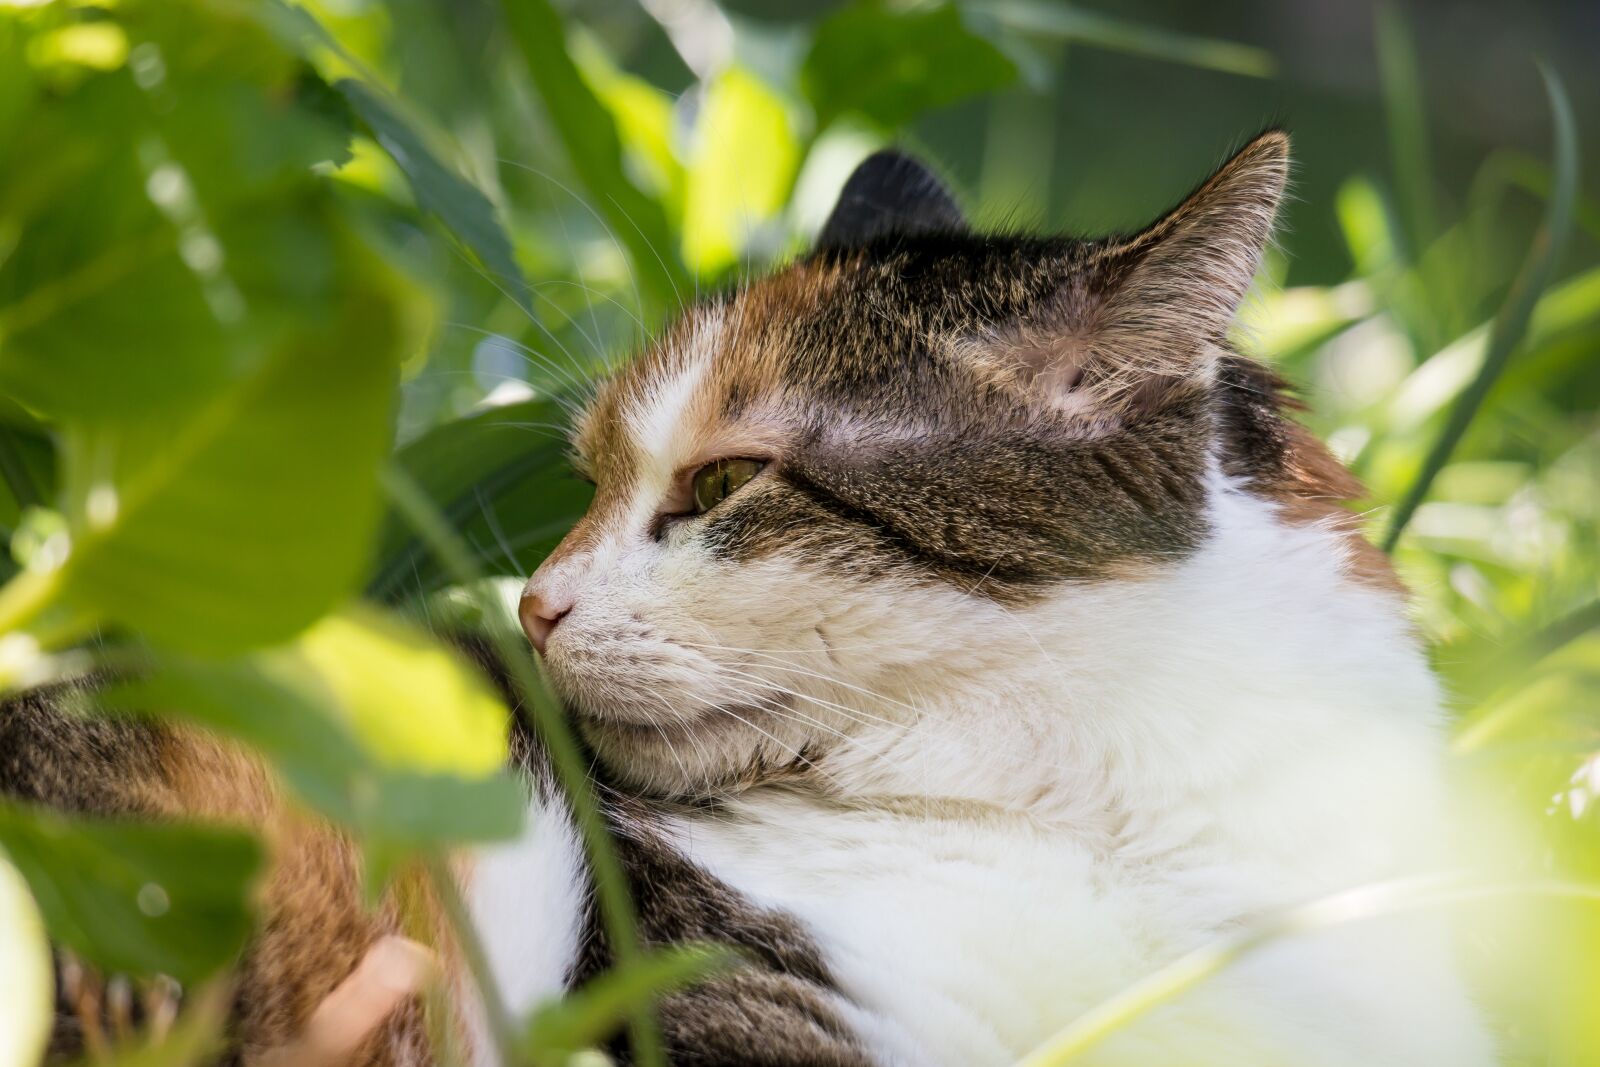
1148, 315
890, 193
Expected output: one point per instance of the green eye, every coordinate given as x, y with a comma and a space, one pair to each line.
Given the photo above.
715, 482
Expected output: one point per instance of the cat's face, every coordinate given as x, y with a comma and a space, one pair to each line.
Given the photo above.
819, 497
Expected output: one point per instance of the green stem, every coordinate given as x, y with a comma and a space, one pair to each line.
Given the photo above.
1362, 902
501, 1028
548, 722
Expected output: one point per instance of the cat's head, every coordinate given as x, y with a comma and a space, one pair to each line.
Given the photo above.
819, 495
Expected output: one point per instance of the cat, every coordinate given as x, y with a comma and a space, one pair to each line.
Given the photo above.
967, 600
963, 628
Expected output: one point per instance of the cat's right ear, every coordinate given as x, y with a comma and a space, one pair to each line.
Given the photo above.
890, 193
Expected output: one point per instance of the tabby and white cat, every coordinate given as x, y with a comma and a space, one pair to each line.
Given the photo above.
975, 618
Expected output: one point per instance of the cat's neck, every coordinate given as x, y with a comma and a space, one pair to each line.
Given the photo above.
1259, 651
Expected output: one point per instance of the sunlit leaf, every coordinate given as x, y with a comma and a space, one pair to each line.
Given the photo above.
133, 203
26, 982
243, 520
890, 64
137, 898
744, 163
369, 721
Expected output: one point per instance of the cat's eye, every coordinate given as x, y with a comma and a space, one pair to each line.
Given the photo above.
715, 482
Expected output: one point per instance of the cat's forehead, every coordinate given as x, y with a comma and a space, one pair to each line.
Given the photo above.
724, 375
861, 337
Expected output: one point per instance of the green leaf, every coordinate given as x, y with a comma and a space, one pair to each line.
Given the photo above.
590, 137
457, 203
137, 898
26, 980
133, 201
241, 521
743, 167
370, 722
1511, 324
891, 65
502, 479
588, 1016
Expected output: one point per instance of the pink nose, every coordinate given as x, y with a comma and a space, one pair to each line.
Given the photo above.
539, 617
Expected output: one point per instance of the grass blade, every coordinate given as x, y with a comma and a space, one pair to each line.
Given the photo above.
1351, 905
611, 886
1114, 34
1512, 322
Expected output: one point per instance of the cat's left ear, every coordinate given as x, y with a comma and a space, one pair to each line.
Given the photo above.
1148, 315
890, 193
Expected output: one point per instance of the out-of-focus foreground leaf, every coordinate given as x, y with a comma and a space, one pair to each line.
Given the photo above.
138, 196
370, 722
26, 983
186, 302
745, 159
890, 65
137, 898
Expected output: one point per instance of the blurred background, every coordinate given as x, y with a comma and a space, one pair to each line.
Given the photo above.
504, 198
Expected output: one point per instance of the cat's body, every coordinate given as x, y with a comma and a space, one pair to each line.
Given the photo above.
963, 629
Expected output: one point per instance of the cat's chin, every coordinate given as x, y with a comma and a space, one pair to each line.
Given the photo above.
712, 752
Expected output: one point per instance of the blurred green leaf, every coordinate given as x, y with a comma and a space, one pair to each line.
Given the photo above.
137, 898
459, 204
589, 135
502, 479
187, 527
744, 163
588, 1016
26, 981
889, 64
133, 200
369, 721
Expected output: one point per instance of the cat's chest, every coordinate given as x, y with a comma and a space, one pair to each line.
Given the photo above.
980, 937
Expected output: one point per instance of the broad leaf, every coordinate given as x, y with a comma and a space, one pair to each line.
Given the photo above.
370, 722
245, 519
26, 982
890, 65
134, 198
137, 898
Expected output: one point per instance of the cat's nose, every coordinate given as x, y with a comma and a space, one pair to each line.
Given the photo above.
539, 615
